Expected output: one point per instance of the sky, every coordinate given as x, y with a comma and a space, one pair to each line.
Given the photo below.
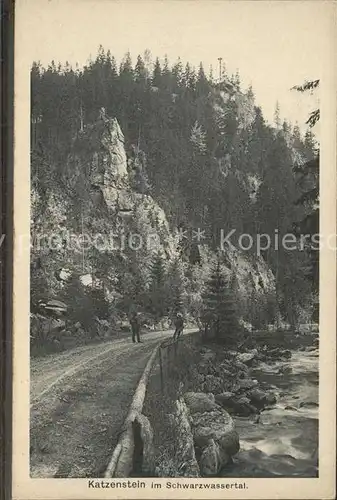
274, 45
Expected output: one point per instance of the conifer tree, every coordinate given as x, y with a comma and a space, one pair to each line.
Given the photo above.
297, 138
202, 85
211, 74
140, 71
219, 314
157, 295
177, 74
157, 74
147, 62
166, 76
277, 118
250, 93
126, 65
237, 79
189, 77
310, 143
176, 288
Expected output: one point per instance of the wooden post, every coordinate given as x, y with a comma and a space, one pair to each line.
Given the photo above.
161, 370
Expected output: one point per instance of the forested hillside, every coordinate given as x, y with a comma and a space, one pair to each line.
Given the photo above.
154, 147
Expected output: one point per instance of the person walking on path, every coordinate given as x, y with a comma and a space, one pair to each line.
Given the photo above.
135, 327
179, 325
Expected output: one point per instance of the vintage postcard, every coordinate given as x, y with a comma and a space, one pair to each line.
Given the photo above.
174, 249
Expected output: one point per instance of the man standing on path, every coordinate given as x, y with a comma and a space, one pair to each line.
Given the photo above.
179, 324
135, 327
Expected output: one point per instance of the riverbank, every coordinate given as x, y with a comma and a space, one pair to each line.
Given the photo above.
283, 440
271, 393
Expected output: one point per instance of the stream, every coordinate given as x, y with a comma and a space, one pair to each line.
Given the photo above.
283, 440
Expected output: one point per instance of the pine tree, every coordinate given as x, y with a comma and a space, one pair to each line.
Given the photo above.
177, 74
250, 94
101, 55
219, 314
198, 138
277, 119
286, 127
237, 79
157, 74
297, 138
157, 296
140, 71
310, 143
189, 77
166, 79
126, 65
211, 74
202, 85
147, 62
176, 288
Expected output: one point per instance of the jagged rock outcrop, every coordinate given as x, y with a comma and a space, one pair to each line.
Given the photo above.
98, 199
214, 435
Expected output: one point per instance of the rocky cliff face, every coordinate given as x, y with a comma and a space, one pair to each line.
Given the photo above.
99, 200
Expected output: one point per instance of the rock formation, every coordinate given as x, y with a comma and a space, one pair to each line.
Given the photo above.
214, 436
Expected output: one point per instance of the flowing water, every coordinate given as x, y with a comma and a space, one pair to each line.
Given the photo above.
283, 440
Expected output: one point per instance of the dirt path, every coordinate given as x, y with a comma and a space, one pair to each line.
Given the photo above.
79, 400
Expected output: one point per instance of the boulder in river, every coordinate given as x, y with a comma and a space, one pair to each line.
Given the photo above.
224, 370
285, 369
247, 383
308, 404
241, 366
260, 398
271, 398
234, 404
243, 407
199, 402
286, 354
213, 431
278, 353
290, 407
248, 357
224, 398
213, 424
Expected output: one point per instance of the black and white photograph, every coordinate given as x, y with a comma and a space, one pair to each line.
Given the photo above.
175, 245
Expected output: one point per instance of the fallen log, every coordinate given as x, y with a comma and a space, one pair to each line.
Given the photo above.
121, 462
